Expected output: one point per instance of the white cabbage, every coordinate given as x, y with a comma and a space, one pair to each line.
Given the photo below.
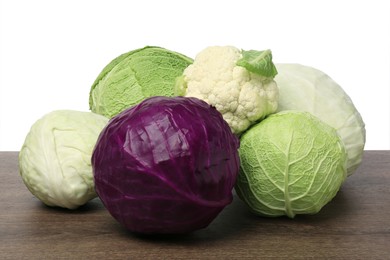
308, 89
55, 159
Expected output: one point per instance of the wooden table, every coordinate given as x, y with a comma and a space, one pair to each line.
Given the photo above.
355, 225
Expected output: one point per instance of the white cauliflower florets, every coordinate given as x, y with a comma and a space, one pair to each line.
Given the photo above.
242, 97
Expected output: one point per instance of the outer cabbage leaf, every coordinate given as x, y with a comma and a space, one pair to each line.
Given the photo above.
258, 62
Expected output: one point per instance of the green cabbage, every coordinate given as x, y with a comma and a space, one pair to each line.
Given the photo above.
134, 76
55, 159
291, 163
308, 89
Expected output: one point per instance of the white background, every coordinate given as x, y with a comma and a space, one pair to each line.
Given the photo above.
52, 51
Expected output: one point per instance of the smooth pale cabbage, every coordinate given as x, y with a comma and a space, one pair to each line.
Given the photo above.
291, 163
308, 89
134, 76
55, 159
167, 165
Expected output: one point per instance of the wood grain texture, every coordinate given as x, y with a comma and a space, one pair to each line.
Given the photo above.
355, 225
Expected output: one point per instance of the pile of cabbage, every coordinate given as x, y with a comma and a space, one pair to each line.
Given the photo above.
168, 139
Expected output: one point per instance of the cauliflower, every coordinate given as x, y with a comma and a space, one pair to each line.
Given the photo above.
239, 84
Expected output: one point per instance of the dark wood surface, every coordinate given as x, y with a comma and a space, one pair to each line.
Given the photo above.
355, 225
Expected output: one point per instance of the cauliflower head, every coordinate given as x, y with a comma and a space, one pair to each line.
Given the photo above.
239, 84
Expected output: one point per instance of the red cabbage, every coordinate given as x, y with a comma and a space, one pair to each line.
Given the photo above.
166, 165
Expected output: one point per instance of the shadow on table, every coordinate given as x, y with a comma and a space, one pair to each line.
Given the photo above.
90, 207
236, 220
233, 219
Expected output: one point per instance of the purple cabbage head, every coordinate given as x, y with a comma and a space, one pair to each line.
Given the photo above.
166, 165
